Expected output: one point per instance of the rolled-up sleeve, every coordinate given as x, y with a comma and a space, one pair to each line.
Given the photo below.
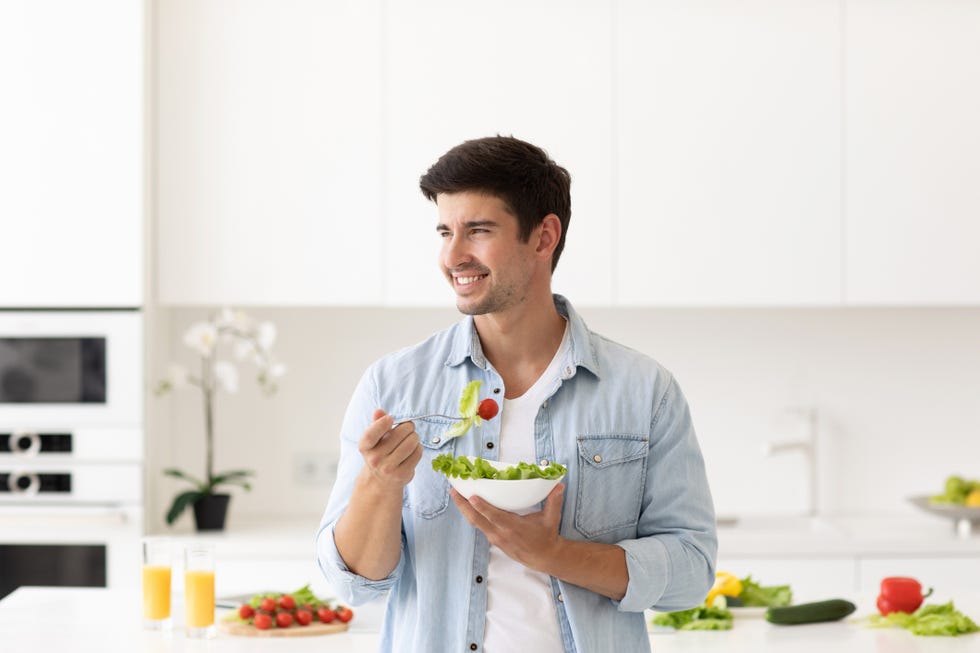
350, 587
671, 563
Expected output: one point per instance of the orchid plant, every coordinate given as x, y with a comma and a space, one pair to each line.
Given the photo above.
249, 341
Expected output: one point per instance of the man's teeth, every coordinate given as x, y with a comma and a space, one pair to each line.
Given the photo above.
463, 281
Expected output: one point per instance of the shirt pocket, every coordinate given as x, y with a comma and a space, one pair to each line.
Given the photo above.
428, 493
611, 477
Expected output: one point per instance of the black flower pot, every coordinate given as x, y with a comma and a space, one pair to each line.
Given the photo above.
210, 511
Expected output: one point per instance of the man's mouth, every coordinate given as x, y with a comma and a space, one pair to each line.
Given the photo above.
467, 280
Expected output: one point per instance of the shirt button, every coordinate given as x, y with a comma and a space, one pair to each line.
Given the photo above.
597, 458
561, 599
436, 440
544, 405
496, 391
544, 462
489, 445
473, 647
479, 579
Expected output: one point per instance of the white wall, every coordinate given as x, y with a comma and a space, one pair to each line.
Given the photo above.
896, 389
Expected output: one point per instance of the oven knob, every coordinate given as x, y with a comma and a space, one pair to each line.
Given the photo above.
23, 483
25, 443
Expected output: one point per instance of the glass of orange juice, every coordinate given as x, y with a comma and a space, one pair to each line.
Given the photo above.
199, 590
156, 583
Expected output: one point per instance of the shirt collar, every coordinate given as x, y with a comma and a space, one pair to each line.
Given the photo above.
466, 341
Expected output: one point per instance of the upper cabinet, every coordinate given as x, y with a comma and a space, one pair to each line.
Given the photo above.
72, 153
727, 167
458, 70
269, 152
912, 158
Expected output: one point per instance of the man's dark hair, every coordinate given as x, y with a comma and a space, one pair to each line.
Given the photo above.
520, 174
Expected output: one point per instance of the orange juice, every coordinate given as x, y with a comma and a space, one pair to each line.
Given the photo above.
199, 598
156, 592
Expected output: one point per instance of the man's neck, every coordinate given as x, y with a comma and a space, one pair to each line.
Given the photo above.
521, 342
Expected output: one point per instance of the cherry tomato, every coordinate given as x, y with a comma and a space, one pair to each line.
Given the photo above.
304, 617
326, 615
268, 604
263, 621
245, 611
345, 614
487, 409
286, 602
284, 619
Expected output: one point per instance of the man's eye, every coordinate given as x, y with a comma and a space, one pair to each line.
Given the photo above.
444, 234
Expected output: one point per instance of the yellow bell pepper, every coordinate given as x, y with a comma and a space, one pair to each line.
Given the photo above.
726, 584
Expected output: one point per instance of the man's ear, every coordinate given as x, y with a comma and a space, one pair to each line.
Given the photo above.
549, 233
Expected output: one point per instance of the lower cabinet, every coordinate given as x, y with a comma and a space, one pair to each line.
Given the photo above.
812, 579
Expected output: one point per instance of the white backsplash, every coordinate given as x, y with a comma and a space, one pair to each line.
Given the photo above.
897, 390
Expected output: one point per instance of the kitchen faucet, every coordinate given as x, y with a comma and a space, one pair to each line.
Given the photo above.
806, 445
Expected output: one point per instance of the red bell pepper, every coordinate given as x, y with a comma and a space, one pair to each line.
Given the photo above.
900, 594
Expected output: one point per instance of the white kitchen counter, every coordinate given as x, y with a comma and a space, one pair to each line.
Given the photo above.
62, 619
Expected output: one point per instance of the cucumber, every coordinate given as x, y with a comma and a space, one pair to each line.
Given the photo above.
810, 613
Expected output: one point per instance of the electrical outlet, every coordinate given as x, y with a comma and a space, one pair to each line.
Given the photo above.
314, 468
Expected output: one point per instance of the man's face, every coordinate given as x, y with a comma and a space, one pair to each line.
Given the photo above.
482, 255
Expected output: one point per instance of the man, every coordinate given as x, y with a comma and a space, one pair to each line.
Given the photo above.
630, 527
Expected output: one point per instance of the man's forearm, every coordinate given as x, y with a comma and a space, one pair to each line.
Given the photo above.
594, 566
368, 534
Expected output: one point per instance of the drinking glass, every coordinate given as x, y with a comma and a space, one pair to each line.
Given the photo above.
156, 583
199, 590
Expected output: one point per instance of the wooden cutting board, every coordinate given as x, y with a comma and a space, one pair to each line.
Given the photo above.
248, 630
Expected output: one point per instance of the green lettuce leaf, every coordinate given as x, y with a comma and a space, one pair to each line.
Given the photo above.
773, 596
700, 618
470, 399
931, 620
463, 467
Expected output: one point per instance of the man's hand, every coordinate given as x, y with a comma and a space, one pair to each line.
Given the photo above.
531, 539
390, 452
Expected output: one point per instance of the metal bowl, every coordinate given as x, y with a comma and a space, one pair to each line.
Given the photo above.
966, 519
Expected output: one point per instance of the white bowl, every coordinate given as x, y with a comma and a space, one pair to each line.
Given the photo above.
506, 495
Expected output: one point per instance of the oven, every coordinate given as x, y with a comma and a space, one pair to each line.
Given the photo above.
71, 447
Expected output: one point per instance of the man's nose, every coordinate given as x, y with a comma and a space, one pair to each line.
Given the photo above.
454, 251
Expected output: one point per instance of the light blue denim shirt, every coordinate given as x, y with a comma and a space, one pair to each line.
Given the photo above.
636, 479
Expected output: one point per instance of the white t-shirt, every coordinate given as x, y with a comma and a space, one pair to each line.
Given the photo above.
521, 614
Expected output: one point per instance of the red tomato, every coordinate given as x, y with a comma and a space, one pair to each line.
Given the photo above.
487, 409
304, 617
326, 615
245, 611
263, 621
286, 602
268, 604
284, 619
345, 614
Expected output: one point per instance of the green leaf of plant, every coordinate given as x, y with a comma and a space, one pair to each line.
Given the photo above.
470, 400
226, 477
181, 501
176, 473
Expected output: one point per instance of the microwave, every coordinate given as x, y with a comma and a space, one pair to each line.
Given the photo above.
71, 407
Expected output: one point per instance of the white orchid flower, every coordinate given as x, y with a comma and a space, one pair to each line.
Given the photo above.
201, 337
227, 375
277, 370
244, 349
236, 319
266, 335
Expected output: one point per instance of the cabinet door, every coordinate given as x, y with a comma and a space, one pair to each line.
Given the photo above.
457, 70
913, 152
269, 152
71, 159
728, 152
947, 575
811, 579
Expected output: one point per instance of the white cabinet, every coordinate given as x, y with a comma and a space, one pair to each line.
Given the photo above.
912, 156
727, 149
946, 575
269, 152
71, 159
811, 579
457, 70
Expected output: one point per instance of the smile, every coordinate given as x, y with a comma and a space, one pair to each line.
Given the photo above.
465, 281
